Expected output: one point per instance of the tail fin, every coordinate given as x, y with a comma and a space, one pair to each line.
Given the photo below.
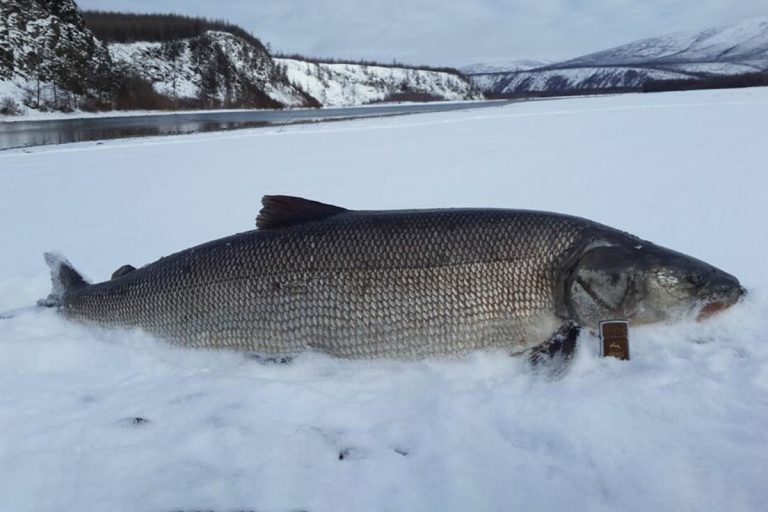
64, 278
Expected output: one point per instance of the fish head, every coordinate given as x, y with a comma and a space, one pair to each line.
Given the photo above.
623, 277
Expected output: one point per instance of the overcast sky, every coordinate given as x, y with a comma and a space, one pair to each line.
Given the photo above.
453, 32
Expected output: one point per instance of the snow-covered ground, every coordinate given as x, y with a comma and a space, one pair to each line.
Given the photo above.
680, 427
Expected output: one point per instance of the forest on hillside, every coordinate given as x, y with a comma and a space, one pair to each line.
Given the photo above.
714, 82
366, 62
120, 27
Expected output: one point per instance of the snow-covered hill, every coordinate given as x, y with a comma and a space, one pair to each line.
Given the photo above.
502, 66
104, 420
742, 44
486, 76
216, 68
729, 50
576, 79
340, 84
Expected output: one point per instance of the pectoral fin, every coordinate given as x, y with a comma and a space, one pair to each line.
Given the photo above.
554, 355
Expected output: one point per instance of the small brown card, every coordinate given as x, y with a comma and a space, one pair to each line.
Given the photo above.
614, 338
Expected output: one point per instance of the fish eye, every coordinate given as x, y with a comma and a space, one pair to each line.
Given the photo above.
696, 278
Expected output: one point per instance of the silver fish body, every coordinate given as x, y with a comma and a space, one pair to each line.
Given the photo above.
356, 284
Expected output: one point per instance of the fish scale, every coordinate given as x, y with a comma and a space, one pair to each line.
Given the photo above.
355, 284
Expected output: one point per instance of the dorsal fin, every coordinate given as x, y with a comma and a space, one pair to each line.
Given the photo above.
285, 211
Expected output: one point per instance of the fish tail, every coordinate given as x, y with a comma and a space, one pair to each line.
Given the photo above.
64, 278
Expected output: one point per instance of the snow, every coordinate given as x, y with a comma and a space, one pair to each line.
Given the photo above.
682, 426
13, 89
337, 85
17, 90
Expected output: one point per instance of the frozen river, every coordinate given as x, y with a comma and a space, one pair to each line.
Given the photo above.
15, 134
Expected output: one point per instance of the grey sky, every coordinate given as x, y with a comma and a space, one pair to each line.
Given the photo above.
453, 32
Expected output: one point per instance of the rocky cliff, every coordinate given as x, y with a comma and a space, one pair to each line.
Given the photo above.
345, 84
47, 55
215, 69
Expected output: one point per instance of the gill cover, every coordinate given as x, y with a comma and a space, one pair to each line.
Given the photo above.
602, 284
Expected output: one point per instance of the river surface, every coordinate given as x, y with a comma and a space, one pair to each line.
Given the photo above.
15, 134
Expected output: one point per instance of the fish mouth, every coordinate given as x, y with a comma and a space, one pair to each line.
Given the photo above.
718, 305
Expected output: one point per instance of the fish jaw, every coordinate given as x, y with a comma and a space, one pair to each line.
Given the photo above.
720, 304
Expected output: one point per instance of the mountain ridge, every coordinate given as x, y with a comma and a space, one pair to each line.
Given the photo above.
727, 50
727, 43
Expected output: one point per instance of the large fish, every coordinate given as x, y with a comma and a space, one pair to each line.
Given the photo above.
401, 284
